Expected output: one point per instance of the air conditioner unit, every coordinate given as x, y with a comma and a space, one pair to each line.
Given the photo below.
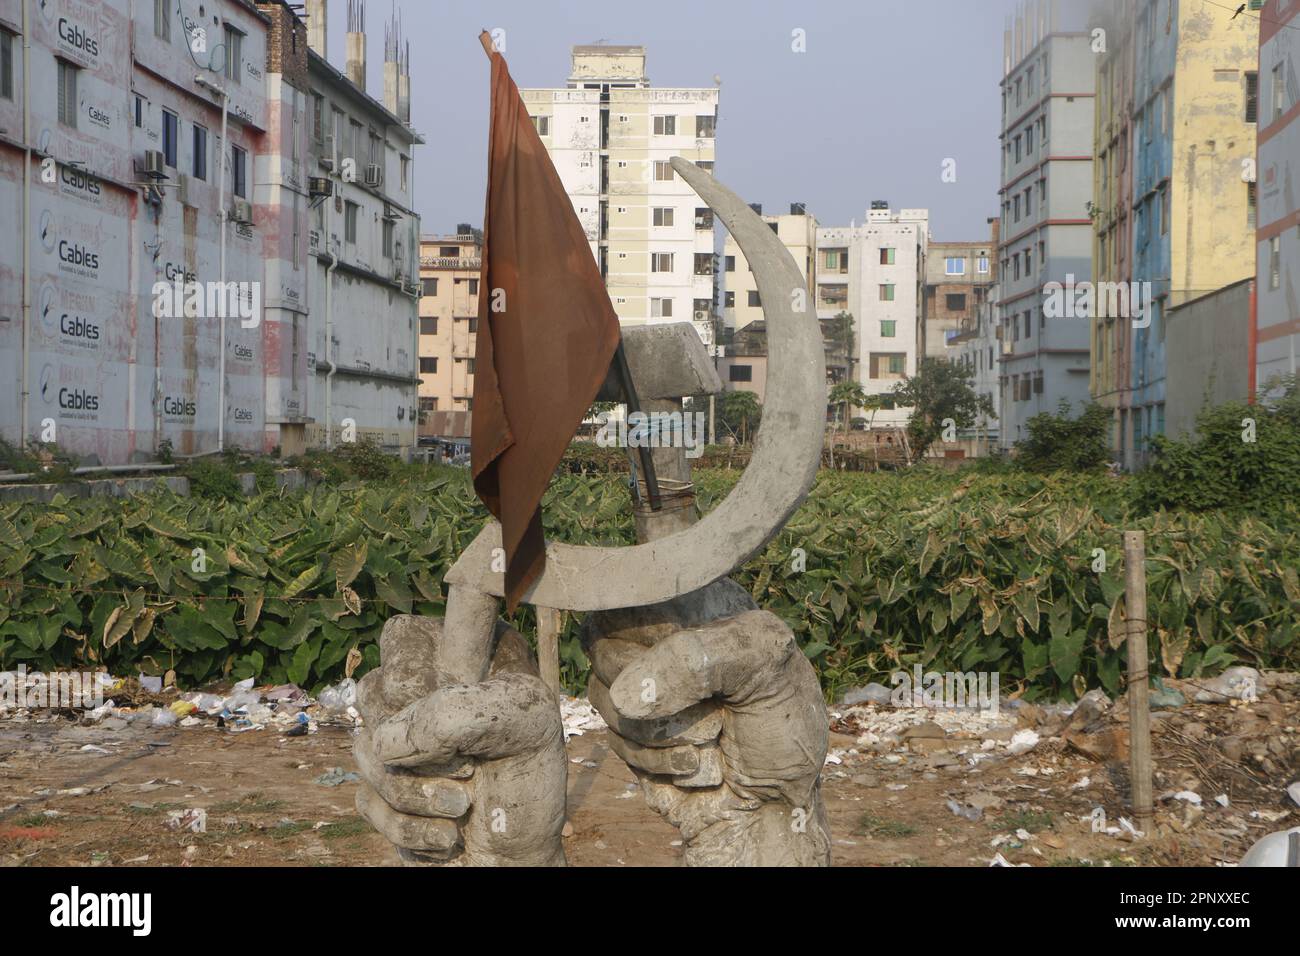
374, 174
320, 186
326, 158
155, 165
241, 211
701, 316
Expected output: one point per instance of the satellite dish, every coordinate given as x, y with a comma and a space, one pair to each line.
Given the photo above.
717, 79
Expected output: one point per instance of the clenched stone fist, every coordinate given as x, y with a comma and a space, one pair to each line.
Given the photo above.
460, 774
720, 715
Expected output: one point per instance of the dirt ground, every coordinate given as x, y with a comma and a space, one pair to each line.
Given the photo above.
81, 795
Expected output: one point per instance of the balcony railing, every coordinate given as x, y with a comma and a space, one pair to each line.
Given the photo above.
450, 262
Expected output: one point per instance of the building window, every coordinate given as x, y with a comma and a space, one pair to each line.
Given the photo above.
740, 373
317, 117
705, 126
706, 165
428, 403
896, 364
956, 301
406, 172
350, 222
1252, 96
661, 262
663, 215
200, 145
542, 124
753, 299
428, 325
429, 364
388, 238
170, 133
887, 255
665, 125
1252, 217
6, 64
239, 171
661, 308
234, 53
729, 263
68, 94
954, 266
887, 292
888, 328
663, 171
982, 265
1279, 94
1164, 211
729, 300
1275, 262
162, 21
429, 287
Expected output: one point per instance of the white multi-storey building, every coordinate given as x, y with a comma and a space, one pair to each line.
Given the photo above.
611, 136
875, 272
797, 231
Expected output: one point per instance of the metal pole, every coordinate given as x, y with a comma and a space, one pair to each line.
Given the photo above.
634, 405
1135, 612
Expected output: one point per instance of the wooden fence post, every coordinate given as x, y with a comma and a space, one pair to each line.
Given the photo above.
1139, 711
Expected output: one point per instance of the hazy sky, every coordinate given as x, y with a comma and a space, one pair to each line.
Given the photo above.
884, 93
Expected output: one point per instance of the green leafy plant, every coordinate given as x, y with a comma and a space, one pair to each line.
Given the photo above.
1061, 443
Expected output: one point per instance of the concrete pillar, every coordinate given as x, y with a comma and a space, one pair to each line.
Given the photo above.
355, 63
318, 27
390, 88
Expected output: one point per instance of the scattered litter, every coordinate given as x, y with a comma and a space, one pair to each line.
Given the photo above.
335, 776
1236, 683
973, 814
151, 685
1221, 800
195, 820
579, 717
339, 698
94, 749
1293, 791
1022, 741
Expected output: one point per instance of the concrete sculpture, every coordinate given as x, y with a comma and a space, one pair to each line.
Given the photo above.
709, 699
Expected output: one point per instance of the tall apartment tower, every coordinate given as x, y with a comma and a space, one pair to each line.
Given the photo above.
611, 136
1177, 98
1278, 284
875, 272
1046, 232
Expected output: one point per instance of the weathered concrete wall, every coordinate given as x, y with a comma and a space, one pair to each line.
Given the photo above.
292, 478
1207, 349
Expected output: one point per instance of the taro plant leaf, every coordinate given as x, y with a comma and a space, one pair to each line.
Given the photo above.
394, 592
348, 562
1065, 654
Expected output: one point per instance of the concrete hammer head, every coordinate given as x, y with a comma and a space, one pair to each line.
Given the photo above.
666, 361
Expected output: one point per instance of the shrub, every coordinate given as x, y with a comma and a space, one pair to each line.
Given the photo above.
1241, 457
1061, 443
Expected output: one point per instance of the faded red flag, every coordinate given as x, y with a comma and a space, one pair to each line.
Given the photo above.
546, 332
